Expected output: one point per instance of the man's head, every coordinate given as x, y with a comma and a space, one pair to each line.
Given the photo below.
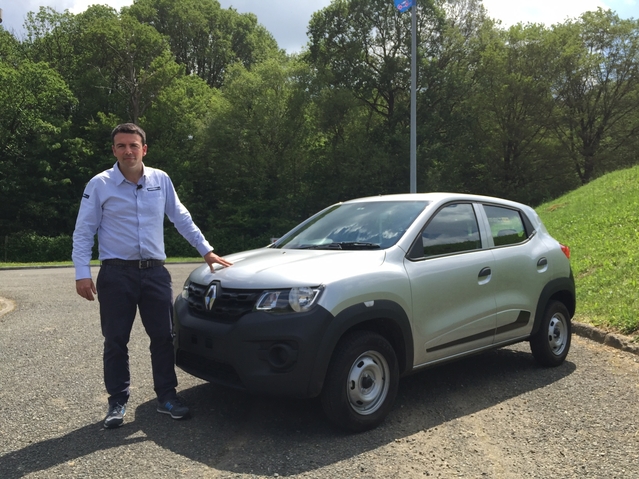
129, 147
128, 128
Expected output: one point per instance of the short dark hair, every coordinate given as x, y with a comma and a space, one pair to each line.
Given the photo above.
128, 128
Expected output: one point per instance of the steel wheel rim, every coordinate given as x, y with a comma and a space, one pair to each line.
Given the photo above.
557, 333
367, 383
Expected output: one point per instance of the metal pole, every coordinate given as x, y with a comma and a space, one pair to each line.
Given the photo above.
413, 104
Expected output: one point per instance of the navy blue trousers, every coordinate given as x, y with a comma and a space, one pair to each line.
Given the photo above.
121, 291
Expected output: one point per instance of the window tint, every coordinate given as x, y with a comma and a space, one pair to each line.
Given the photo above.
452, 230
506, 225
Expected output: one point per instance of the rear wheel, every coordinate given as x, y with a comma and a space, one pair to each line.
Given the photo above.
550, 344
361, 382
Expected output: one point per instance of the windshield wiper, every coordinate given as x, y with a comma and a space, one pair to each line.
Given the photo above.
357, 245
351, 245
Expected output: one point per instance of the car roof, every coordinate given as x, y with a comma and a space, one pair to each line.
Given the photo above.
437, 197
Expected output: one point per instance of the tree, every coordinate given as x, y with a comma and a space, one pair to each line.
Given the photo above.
362, 48
364, 45
512, 111
130, 63
205, 38
36, 105
174, 124
10, 48
449, 151
597, 91
52, 38
246, 180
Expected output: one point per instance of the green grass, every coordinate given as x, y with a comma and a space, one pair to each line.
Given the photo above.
600, 224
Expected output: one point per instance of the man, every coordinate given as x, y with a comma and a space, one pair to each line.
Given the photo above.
125, 206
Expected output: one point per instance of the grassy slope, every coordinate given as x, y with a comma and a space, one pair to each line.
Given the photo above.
600, 224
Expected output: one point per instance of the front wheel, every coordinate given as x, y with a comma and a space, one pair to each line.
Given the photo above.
361, 382
550, 344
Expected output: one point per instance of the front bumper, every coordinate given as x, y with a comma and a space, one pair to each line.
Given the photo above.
260, 352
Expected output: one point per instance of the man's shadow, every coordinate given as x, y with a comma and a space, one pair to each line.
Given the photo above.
240, 433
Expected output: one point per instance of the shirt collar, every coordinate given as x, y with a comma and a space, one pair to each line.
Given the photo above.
119, 178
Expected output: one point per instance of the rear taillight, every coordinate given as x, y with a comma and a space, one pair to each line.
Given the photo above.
565, 249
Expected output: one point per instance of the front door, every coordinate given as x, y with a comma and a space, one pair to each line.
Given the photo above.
452, 292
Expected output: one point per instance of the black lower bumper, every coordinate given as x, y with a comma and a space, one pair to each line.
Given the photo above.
261, 352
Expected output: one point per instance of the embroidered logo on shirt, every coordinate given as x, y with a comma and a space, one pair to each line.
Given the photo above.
155, 188
85, 196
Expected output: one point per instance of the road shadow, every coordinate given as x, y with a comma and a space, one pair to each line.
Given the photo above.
42, 455
245, 434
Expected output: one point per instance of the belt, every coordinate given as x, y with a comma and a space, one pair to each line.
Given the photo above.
134, 263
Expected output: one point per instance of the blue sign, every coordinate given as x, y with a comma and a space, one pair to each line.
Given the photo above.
403, 5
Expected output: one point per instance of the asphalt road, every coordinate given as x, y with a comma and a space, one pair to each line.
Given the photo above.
496, 415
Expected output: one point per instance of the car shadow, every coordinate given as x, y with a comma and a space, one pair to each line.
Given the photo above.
245, 434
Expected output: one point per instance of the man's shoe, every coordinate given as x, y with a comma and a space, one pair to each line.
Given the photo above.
174, 407
115, 416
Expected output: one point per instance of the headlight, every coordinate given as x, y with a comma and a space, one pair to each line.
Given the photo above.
185, 289
288, 300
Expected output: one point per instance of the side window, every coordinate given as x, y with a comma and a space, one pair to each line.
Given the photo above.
506, 225
452, 230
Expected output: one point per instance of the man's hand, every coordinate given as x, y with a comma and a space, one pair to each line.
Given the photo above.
86, 288
211, 258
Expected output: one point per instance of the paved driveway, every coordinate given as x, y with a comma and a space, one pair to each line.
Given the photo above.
496, 415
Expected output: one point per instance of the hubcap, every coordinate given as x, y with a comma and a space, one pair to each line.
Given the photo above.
367, 382
557, 333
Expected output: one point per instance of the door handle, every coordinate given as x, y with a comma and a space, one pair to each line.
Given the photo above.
484, 275
542, 265
485, 272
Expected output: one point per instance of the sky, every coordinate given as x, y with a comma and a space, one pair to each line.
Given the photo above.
287, 20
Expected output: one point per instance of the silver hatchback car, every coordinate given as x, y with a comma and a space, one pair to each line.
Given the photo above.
372, 289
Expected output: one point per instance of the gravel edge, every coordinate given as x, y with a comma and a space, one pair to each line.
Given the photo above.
613, 340
6, 305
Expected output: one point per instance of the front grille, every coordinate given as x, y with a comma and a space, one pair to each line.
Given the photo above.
229, 305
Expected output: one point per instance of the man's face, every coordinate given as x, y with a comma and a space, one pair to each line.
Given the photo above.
129, 150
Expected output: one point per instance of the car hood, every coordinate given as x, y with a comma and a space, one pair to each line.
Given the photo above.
282, 268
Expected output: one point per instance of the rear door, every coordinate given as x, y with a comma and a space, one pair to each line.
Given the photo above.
520, 270
451, 286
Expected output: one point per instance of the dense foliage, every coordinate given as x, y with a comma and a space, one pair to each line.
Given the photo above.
256, 140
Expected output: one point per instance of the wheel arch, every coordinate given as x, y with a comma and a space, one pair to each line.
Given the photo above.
560, 289
386, 318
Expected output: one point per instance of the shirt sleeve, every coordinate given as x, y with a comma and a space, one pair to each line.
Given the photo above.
181, 218
86, 227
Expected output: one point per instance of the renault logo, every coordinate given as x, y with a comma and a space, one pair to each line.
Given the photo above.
209, 299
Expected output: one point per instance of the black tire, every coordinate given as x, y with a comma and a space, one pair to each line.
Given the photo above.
551, 343
361, 381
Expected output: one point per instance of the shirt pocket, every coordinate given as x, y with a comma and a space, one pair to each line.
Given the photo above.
153, 201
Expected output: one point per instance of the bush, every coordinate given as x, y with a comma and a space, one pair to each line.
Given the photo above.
175, 246
30, 248
224, 242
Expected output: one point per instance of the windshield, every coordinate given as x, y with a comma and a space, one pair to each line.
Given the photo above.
366, 225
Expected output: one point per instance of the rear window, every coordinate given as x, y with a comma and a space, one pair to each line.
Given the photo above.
506, 225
